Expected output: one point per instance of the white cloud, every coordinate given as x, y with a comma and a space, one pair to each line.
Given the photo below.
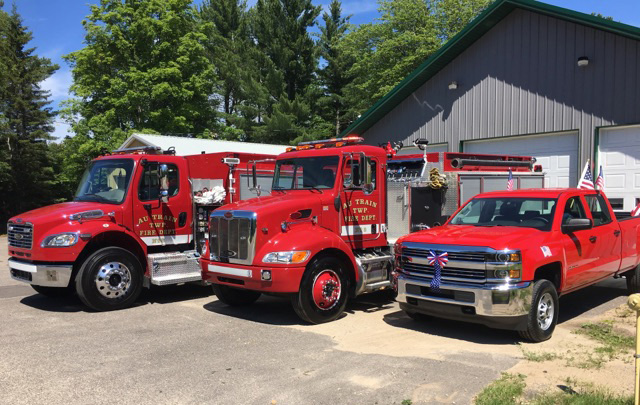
58, 84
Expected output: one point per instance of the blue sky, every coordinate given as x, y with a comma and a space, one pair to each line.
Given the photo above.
57, 29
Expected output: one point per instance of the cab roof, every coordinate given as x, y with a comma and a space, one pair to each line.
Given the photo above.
536, 192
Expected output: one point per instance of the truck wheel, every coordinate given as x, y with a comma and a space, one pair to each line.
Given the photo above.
109, 279
323, 291
543, 314
54, 292
633, 281
235, 296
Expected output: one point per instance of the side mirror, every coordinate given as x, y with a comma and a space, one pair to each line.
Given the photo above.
163, 174
576, 224
366, 176
254, 179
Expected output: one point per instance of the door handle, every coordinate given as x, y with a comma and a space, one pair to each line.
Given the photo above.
616, 232
593, 239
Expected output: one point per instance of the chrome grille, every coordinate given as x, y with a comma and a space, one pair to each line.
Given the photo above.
20, 235
466, 256
448, 273
232, 236
466, 263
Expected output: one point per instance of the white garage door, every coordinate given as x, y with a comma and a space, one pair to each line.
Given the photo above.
557, 153
619, 155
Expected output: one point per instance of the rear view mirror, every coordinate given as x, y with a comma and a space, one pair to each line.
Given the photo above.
366, 174
576, 224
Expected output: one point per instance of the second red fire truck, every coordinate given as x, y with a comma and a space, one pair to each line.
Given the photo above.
326, 231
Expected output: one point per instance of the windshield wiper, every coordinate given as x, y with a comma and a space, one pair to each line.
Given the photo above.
97, 197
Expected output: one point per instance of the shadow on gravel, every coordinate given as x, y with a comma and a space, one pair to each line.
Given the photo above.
267, 310
585, 300
155, 295
469, 332
272, 310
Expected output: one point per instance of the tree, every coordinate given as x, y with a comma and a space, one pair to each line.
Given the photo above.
406, 34
227, 44
27, 178
334, 75
280, 30
144, 68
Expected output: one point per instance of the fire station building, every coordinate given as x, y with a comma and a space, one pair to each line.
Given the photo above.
532, 79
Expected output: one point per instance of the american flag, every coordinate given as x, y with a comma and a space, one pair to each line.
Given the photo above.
586, 181
510, 181
438, 262
636, 211
600, 180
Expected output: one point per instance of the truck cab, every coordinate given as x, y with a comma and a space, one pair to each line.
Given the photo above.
134, 221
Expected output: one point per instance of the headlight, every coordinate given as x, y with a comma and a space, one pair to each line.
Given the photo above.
60, 240
291, 256
504, 257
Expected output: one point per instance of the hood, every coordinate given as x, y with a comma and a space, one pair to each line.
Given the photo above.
60, 212
279, 203
495, 237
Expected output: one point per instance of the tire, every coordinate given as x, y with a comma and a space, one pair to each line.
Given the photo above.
633, 281
54, 292
543, 315
324, 291
110, 279
235, 296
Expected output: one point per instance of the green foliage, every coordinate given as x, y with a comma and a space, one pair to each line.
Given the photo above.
587, 397
334, 75
406, 34
506, 390
27, 166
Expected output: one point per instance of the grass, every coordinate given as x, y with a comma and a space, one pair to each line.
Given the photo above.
509, 389
539, 357
613, 343
506, 390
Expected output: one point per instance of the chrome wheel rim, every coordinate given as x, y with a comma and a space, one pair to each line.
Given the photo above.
113, 280
546, 311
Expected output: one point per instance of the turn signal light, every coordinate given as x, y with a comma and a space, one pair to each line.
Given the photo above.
514, 273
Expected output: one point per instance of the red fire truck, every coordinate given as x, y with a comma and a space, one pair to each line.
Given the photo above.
139, 217
326, 231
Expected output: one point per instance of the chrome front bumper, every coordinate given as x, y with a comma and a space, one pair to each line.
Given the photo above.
46, 275
487, 300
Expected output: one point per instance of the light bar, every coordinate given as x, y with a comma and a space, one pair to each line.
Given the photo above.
347, 140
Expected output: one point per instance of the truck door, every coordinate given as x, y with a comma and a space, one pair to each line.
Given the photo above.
607, 247
361, 218
578, 249
163, 225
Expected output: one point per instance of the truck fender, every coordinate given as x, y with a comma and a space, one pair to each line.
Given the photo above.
542, 256
113, 236
297, 238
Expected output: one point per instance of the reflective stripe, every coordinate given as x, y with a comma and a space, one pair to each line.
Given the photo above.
166, 240
360, 229
229, 270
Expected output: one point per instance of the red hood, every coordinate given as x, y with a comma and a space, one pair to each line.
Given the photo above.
58, 213
496, 237
279, 202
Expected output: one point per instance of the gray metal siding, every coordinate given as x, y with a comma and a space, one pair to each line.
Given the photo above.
521, 78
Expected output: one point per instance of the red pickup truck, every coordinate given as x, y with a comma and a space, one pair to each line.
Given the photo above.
510, 254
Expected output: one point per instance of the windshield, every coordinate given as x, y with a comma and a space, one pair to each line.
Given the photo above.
306, 173
505, 211
105, 181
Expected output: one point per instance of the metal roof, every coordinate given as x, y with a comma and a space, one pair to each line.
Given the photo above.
464, 39
194, 146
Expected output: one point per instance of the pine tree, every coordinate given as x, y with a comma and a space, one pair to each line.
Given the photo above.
26, 175
334, 75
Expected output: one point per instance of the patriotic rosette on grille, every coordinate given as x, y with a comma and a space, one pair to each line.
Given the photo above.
438, 262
